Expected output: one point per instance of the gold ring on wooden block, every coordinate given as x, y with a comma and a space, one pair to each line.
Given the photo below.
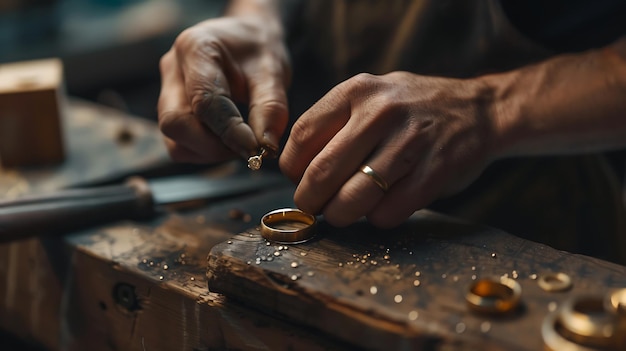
553, 340
380, 181
586, 321
494, 295
616, 301
554, 282
288, 226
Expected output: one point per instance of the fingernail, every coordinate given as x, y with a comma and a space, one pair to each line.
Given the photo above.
270, 143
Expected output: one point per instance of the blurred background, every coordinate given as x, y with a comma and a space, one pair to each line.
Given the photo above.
110, 48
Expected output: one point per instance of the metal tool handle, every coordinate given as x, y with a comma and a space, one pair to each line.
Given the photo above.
66, 210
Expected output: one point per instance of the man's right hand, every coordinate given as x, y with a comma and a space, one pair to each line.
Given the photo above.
212, 64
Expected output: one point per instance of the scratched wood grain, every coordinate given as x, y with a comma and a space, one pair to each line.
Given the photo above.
131, 285
403, 289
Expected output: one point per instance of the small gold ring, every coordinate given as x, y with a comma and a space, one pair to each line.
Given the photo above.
288, 226
555, 282
553, 340
380, 181
494, 295
616, 301
585, 320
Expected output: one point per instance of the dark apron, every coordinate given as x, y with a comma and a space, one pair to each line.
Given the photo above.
571, 203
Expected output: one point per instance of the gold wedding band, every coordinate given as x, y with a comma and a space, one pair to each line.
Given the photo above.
380, 181
288, 226
555, 282
494, 295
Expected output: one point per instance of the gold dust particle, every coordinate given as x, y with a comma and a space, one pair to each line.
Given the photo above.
340, 264
397, 298
533, 276
552, 306
192, 278
413, 315
310, 273
460, 327
473, 268
373, 290
373, 262
230, 241
386, 257
485, 327
294, 277
514, 274
160, 277
302, 253
493, 255
144, 261
455, 278
276, 253
294, 264
416, 282
267, 243
473, 276
165, 267
418, 273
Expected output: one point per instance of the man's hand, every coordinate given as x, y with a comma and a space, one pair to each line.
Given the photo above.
239, 58
425, 136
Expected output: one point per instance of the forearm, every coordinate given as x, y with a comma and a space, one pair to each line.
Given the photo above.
568, 104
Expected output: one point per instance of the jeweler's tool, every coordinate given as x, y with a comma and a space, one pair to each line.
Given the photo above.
60, 212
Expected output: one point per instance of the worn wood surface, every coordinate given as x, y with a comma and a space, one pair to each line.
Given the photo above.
403, 289
107, 288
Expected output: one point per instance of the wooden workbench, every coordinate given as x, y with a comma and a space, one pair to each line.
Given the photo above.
143, 286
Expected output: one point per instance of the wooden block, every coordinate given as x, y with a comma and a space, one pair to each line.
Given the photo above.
31, 108
404, 289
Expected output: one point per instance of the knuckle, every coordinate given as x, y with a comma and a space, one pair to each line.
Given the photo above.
300, 133
319, 172
200, 102
166, 61
172, 125
177, 153
273, 108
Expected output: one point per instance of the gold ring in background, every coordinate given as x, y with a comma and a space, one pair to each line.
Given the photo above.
494, 295
380, 181
555, 282
288, 226
585, 321
616, 301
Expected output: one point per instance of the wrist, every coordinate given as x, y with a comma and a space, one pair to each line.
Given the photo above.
505, 111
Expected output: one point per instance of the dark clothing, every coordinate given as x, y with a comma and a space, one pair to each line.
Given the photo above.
571, 203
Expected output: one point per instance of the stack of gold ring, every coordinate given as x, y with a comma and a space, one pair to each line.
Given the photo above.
303, 225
